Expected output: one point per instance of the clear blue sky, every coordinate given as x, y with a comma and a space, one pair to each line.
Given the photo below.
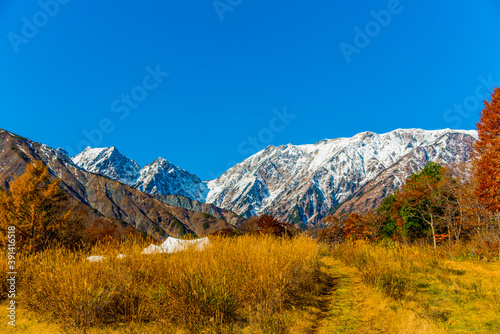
87, 64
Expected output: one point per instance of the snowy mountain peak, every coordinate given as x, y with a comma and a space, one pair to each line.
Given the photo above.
161, 161
110, 162
164, 178
158, 178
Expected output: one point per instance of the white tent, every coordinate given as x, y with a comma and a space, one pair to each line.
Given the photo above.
172, 245
152, 249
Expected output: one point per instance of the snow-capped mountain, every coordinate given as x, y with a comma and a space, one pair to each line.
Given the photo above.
304, 183
158, 178
108, 161
163, 178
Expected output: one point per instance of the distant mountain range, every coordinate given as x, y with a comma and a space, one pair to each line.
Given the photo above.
158, 178
104, 196
300, 184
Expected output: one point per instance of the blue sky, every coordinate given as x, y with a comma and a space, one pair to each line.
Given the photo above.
205, 84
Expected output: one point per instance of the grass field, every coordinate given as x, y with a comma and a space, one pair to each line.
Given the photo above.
388, 288
235, 283
258, 285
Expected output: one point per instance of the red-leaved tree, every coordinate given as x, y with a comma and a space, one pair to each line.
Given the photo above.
487, 162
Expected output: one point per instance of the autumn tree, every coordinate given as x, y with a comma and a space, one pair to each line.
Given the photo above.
226, 233
410, 212
361, 226
333, 232
464, 215
101, 229
487, 162
267, 224
355, 226
39, 210
439, 199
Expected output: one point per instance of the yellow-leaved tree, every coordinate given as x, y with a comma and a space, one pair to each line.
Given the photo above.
40, 211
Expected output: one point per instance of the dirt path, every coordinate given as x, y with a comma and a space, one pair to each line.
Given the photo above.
329, 284
347, 305
339, 309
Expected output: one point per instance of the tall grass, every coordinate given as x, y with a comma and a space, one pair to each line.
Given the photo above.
386, 267
450, 292
229, 281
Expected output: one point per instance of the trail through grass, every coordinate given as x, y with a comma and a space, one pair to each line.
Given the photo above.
387, 288
342, 315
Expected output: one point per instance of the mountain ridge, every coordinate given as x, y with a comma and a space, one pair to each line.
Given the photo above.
157, 178
101, 196
303, 183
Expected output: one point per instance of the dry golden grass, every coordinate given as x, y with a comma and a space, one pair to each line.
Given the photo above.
256, 284
235, 283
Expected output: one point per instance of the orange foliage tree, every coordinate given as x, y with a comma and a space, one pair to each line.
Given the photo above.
334, 230
487, 163
267, 224
356, 226
39, 210
101, 229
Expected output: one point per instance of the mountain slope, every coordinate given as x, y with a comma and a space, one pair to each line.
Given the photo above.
208, 209
302, 184
103, 195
